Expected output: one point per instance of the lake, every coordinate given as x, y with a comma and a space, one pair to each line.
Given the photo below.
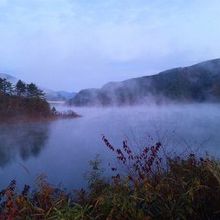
61, 149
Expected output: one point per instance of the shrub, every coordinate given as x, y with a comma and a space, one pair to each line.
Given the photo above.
144, 185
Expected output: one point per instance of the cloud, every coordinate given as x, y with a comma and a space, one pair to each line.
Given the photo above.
69, 44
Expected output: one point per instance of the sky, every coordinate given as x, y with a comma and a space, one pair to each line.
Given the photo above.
76, 44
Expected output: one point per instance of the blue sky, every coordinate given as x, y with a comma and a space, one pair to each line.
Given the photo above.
75, 44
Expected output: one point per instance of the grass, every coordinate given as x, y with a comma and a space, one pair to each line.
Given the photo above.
144, 185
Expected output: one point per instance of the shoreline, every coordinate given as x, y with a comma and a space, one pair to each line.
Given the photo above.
28, 119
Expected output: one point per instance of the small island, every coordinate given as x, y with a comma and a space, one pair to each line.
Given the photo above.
26, 102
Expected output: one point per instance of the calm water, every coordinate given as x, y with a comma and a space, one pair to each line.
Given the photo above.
62, 149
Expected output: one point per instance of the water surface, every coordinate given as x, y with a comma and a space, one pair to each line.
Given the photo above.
61, 149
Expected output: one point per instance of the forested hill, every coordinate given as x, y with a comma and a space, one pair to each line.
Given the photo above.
22, 101
197, 83
50, 95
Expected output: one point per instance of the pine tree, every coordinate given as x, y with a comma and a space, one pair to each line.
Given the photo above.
34, 92
6, 87
21, 88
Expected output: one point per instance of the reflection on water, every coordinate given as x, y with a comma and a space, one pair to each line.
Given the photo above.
61, 149
23, 140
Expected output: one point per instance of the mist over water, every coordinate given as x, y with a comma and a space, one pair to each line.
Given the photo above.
61, 149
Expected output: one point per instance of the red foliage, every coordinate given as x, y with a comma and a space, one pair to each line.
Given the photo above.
139, 165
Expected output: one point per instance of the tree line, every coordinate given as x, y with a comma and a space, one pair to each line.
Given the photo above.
22, 101
20, 89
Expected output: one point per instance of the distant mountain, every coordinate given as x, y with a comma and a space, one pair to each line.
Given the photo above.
58, 95
51, 95
197, 83
9, 78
